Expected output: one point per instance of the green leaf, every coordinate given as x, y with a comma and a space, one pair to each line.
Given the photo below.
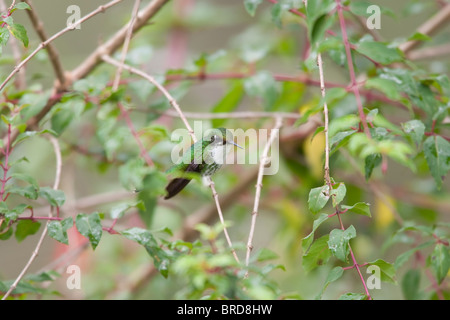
56, 198
339, 242
371, 162
317, 255
387, 270
28, 134
26, 178
132, 173
306, 241
146, 239
318, 130
353, 296
24, 287
410, 284
139, 235
142, 89
58, 229
417, 36
229, 102
19, 32
43, 276
276, 12
28, 192
404, 257
338, 194
379, 52
359, 208
22, 6
154, 186
66, 112
119, 210
266, 254
251, 6
89, 225
386, 86
318, 198
344, 123
333, 95
437, 154
440, 261
26, 228
334, 275
318, 20
340, 138
4, 37
263, 86
5, 233
415, 129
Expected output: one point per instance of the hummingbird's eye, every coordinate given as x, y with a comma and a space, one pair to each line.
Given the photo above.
214, 137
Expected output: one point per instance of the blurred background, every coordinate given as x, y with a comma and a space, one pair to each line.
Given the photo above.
177, 38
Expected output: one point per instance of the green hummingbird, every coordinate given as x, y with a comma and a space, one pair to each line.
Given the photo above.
204, 157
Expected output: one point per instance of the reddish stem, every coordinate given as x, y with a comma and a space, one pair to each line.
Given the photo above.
354, 85
133, 131
39, 218
5, 165
355, 263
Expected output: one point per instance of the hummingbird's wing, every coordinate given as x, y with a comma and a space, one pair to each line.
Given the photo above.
178, 184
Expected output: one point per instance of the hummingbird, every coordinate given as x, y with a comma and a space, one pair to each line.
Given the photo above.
204, 157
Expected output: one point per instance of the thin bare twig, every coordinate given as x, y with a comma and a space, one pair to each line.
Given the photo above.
235, 115
161, 88
429, 52
326, 123
126, 43
262, 163
17, 54
52, 52
429, 27
57, 151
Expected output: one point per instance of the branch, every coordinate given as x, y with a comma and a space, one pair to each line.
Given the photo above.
262, 163
53, 54
57, 151
429, 27
43, 44
219, 211
430, 52
117, 40
92, 61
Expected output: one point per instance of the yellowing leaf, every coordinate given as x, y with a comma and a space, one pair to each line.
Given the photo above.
383, 211
314, 151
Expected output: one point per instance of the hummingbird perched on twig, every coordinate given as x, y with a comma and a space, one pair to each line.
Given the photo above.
204, 157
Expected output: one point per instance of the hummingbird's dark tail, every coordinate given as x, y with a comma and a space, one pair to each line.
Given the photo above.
175, 186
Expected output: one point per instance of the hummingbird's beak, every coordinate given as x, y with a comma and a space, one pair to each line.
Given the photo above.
233, 143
